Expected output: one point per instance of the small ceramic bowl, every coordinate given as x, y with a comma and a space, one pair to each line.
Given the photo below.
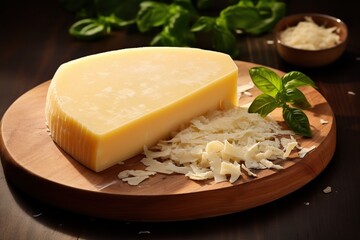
310, 58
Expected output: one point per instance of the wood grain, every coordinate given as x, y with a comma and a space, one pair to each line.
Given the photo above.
35, 164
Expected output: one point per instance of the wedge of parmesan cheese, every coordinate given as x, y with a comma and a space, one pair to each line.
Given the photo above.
102, 109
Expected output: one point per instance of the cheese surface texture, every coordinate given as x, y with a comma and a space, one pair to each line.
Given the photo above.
104, 108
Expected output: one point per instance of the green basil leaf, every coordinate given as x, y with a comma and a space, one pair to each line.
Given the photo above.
176, 32
151, 14
116, 22
88, 29
187, 5
157, 40
263, 104
266, 80
203, 23
223, 40
253, 19
296, 98
269, 18
264, 7
241, 17
296, 79
297, 120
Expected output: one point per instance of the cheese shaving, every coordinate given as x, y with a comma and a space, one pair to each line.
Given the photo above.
305, 151
308, 35
219, 146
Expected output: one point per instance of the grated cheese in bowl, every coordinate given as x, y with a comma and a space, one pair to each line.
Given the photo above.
308, 35
221, 145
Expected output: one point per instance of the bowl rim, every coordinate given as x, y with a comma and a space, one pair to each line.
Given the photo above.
310, 14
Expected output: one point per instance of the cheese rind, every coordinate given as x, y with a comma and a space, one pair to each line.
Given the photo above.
104, 108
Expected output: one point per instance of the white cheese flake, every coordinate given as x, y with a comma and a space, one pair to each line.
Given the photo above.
250, 173
215, 167
156, 166
134, 177
269, 164
327, 189
305, 151
134, 173
289, 147
199, 174
245, 87
323, 121
232, 169
214, 147
249, 94
351, 93
134, 181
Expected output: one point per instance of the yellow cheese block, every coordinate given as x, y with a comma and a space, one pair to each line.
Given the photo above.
102, 109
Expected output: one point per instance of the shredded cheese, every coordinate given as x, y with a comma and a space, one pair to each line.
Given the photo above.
219, 146
310, 36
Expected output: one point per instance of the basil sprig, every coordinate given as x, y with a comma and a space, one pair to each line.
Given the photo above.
282, 92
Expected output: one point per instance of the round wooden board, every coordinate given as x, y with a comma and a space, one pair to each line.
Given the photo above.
36, 165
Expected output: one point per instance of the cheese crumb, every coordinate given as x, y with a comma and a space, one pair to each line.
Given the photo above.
327, 190
305, 151
322, 121
249, 94
351, 93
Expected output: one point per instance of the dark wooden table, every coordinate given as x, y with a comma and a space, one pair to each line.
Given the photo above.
34, 42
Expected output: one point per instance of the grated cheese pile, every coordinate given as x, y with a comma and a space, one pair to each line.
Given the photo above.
308, 35
220, 145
